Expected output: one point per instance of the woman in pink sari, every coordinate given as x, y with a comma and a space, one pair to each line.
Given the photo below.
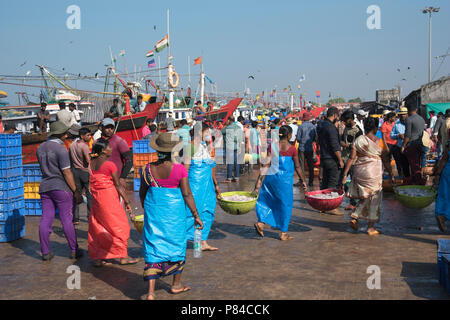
368, 156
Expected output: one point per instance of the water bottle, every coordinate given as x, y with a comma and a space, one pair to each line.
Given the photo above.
197, 243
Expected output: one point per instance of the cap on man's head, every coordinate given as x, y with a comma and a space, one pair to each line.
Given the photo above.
363, 113
108, 122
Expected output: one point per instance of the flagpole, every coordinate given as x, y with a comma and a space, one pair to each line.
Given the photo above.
171, 92
189, 70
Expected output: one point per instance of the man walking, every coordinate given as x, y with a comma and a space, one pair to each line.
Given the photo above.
330, 150
57, 190
80, 160
412, 146
233, 146
306, 135
398, 134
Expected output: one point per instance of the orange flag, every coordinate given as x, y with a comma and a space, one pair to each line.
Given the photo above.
197, 61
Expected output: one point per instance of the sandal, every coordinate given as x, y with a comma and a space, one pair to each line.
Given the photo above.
101, 263
258, 230
181, 288
354, 224
287, 238
373, 233
129, 261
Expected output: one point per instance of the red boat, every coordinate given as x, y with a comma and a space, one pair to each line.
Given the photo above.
128, 127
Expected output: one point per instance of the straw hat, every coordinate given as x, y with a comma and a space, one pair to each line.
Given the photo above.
403, 110
385, 112
165, 142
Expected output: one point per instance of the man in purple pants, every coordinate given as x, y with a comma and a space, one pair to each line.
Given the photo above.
57, 190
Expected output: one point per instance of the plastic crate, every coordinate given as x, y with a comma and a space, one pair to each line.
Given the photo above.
136, 184
11, 187
11, 208
31, 190
137, 172
10, 151
33, 207
443, 247
141, 159
32, 173
10, 140
141, 146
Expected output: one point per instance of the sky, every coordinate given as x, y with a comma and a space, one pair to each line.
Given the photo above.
275, 41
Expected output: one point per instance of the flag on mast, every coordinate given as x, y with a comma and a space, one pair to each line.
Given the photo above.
122, 53
161, 44
152, 63
198, 61
149, 54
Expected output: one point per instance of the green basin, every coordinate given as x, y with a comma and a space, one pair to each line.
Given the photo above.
237, 207
415, 202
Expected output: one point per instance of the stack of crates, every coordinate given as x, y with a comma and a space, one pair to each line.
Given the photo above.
443, 257
142, 154
12, 220
32, 179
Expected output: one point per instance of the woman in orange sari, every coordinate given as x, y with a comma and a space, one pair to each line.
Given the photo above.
109, 229
368, 155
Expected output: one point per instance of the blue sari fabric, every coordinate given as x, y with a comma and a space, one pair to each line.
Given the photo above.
165, 223
202, 187
442, 207
276, 197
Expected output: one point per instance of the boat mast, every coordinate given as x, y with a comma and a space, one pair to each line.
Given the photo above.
171, 91
202, 86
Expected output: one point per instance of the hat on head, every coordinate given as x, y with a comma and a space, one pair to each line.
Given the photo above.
107, 122
74, 129
57, 127
164, 142
361, 112
385, 112
403, 110
307, 116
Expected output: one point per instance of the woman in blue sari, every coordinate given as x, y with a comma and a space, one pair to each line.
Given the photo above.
201, 168
442, 178
275, 201
168, 202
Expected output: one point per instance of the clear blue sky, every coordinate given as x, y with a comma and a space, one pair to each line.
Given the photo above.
276, 41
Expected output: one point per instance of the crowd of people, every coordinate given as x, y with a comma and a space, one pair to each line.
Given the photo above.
178, 192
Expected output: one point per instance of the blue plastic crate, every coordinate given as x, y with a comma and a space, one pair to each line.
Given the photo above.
33, 207
12, 236
443, 247
11, 187
137, 184
32, 173
10, 140
8, 162
141, 146
11, 208
10, 173
10, 151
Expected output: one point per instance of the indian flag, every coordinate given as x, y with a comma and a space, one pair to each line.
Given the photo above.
149, 54
161, 44
122, 53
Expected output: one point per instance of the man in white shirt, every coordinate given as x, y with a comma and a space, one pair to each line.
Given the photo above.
64, 115
433, 119
359, 119
75, 114
140, 104
294, 127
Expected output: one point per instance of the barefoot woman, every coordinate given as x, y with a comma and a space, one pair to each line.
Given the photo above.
275, 202
165, 196
109, 229
368, 155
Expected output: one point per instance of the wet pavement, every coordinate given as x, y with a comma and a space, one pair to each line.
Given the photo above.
326, 260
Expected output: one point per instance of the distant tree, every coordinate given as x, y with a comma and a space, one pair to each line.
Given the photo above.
335, 100
355, 100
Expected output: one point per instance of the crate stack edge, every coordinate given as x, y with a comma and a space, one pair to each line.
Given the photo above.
142, 154
32, 180
12, 204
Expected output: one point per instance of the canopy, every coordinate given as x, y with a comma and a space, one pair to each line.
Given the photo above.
3, 94
437, 107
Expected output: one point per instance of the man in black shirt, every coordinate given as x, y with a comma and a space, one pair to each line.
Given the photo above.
114, 110
43, 118
330, 150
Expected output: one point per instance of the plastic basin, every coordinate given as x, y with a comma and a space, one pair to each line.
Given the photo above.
324, 204
237, 207
415, 202
139, 223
